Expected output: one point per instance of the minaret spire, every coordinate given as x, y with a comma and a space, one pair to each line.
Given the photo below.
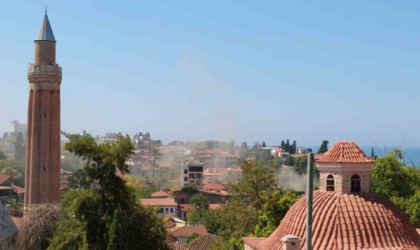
45, 32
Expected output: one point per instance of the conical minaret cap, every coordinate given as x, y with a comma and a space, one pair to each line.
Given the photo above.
45, 32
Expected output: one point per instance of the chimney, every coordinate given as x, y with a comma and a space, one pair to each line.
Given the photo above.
291, 242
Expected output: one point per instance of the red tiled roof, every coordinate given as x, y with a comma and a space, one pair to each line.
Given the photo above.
177, 246
317, 157
347, 221
19, 190
203, 242
165, 164
214, 186
253, 242
170, 224
185, 207
158, 202
4, 178
187, 231
159, 194
345, 152
214, 206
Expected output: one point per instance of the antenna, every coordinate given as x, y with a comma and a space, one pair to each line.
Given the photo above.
403, 159
46, 9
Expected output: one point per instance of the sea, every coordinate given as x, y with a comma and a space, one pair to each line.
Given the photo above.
411, 154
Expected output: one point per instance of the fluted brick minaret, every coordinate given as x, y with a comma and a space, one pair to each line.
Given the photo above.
42, 169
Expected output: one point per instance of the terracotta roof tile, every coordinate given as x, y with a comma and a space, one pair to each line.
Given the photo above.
19, 190
4, 178
158, 202
159, 194
214, 186
203, 242
187, 231
176, 245
253, 242
345, 152
185, 207
347, 221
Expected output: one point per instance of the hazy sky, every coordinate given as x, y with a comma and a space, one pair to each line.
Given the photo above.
242, 70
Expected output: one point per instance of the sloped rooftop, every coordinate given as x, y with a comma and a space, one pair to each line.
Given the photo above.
7, 227
345, 152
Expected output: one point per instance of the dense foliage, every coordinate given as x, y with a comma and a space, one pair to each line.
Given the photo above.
399, 183
324, 147
256, 207
107, 216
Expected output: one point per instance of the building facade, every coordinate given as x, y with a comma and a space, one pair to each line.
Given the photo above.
192, 172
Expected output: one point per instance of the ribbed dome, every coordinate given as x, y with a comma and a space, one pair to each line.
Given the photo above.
345, 152
347, 221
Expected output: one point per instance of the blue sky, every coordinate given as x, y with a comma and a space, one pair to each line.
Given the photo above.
242, 70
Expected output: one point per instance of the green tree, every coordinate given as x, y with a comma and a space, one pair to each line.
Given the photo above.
199, 201
390, 177
324, 147
399, 183
2, 156
107, 216
273, 211
239, 216
189, 188
79, 179
156, 154
244, 151
257, 182
19, 147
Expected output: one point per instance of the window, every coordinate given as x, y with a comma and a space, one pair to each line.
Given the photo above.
185, 178
166, 210
330, 183
355, 184
172, 210
185, 171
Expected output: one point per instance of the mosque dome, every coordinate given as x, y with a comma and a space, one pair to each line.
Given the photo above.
347, 221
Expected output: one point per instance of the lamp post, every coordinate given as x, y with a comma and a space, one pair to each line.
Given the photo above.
309, 196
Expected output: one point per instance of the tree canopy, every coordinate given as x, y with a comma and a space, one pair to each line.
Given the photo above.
109, 215
399, 183
324, 147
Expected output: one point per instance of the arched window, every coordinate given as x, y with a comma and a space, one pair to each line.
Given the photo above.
330, 183
355, 184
